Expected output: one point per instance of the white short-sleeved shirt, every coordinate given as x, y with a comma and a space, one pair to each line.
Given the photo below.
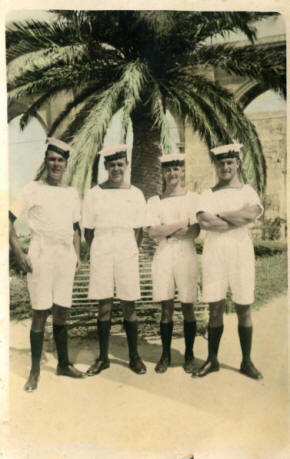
172, 209
228, 199
50, 211
114, 208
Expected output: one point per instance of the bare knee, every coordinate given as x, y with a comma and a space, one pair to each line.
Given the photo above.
105, 309
244, 315
216, 311
167, 311
59, 314
188, 312
39, 320
128, 308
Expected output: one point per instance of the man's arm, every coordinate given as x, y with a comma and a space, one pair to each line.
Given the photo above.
210, 222
138, 235
192, 230
77, 243
247, 214
22, 259
89, 236
160, 231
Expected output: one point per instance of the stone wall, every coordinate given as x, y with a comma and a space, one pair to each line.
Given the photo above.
271, 128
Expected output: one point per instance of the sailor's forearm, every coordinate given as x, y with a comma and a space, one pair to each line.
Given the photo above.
240, 217
210, 222
160, 231
77, 243
89, 236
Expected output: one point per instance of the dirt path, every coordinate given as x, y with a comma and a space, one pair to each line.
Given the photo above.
122, 415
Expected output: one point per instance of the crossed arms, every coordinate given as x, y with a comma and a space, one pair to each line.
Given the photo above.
177, 229
226, 221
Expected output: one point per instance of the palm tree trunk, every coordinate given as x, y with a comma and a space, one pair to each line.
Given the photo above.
146, 170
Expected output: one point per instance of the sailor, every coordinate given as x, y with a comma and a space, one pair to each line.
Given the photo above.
113, 215
172, 223
228, 255
52, 211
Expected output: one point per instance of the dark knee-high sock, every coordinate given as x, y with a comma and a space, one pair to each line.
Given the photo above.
104, 336
245, 335
132, 337
166, 336
60, 337
189, 337
36, 342
214, 336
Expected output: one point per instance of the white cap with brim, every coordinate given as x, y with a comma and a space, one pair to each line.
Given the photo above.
113, 152
172, 159
232, 150
58, 146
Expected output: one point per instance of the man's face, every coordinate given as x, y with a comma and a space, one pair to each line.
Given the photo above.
116, 170
227, 168
55, 164
172, 174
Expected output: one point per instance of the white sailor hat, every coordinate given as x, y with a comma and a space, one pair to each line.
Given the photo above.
113, 152
231, 150
58, 146
172, 159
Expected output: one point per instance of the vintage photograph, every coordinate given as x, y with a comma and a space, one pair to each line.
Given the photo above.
147, 161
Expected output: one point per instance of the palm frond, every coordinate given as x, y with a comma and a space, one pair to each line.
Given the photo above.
182, 99
219, 119
32, 36
30, 113
159, 115
88, 139
220, 23
82, 97
43, 60
134, 77
264, 64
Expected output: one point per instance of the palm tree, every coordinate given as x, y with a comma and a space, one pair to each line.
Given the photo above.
143, 62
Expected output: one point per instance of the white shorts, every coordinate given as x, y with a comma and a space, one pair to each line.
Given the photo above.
228, 263
175, 266
114, 265
53, 271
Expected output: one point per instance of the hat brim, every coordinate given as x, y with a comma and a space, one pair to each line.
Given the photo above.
172, 163
115, 156
60, 151
228, 155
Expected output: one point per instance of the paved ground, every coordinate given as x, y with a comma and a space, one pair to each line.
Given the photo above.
118, 414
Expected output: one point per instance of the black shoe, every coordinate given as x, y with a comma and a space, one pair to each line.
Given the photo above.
70, 371
98, 366
163, 364
31, 383
206, 368
249, 369
188, 364
137, 366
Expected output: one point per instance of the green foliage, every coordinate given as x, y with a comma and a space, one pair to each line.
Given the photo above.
24, 242
269, 248
271, 277
272, 228
19, 296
